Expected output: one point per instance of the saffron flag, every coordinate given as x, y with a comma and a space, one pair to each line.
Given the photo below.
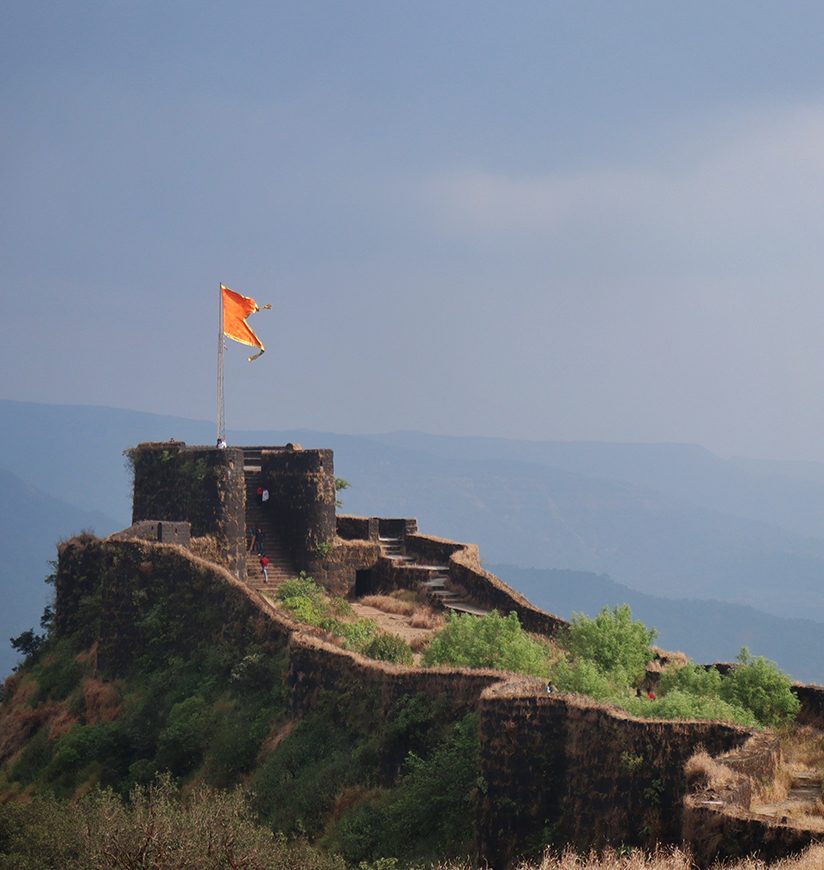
236, 309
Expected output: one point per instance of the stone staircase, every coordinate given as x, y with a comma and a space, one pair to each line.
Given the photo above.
257, 516
434, 580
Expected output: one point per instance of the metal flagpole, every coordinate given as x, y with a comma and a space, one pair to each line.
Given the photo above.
221, 410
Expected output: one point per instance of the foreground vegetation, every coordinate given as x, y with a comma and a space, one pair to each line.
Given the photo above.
199, 710
158, 827
210, 708
162, 827
666, 859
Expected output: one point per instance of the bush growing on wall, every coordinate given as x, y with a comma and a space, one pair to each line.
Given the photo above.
618, 645
760, 686
389, 648
582, 677
692, 679
678, 704
491, 641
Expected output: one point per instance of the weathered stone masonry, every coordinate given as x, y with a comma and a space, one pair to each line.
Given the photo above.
556, 768
199, 485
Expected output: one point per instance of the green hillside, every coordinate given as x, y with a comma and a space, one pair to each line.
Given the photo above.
198, 689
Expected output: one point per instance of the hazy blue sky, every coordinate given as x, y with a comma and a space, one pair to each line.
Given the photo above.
542, 220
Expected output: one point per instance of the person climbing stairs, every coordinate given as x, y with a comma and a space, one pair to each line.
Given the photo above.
259, 517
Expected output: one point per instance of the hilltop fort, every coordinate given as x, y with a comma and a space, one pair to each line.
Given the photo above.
553, 767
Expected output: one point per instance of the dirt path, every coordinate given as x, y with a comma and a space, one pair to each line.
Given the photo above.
800, 803
394, 623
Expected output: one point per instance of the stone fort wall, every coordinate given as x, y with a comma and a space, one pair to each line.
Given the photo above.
203, 486
555, 767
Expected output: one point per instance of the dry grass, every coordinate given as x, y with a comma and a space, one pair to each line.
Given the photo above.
776, 789
703, 771
61, 723
390, 604
809, 815
803, 747
664, 859
101, 701
426, 617
419, 644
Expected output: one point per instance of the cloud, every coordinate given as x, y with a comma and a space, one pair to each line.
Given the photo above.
756, 180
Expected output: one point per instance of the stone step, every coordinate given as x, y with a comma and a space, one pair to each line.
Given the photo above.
434, 583
444, 595
464, 607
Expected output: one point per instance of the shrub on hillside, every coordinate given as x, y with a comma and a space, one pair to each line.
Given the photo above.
582, 677
310, 603
304, 599
428, 814
692, 679
616, 643
182, 742
678, 704
389, 648
158, 827
760, 686
356, 635
491, 641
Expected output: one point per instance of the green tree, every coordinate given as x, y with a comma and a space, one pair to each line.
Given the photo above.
760, 686
491, 641
692, 679
582, 677
618, 645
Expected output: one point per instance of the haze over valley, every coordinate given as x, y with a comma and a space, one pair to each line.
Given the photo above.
674, 527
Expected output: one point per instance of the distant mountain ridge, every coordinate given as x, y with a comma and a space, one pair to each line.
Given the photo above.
665, 520
707, 631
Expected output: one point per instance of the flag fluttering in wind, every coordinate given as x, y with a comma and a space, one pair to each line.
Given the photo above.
236, 309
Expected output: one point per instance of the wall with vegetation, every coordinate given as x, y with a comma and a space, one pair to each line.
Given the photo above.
113, 595
316, 667
200, 485
550, 768
562, 768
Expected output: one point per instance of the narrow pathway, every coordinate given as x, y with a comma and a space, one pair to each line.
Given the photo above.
801, 800
258, 516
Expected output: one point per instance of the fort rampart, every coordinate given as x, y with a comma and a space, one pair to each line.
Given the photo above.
555, 768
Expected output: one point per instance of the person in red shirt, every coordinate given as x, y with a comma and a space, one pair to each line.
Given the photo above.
264, 564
